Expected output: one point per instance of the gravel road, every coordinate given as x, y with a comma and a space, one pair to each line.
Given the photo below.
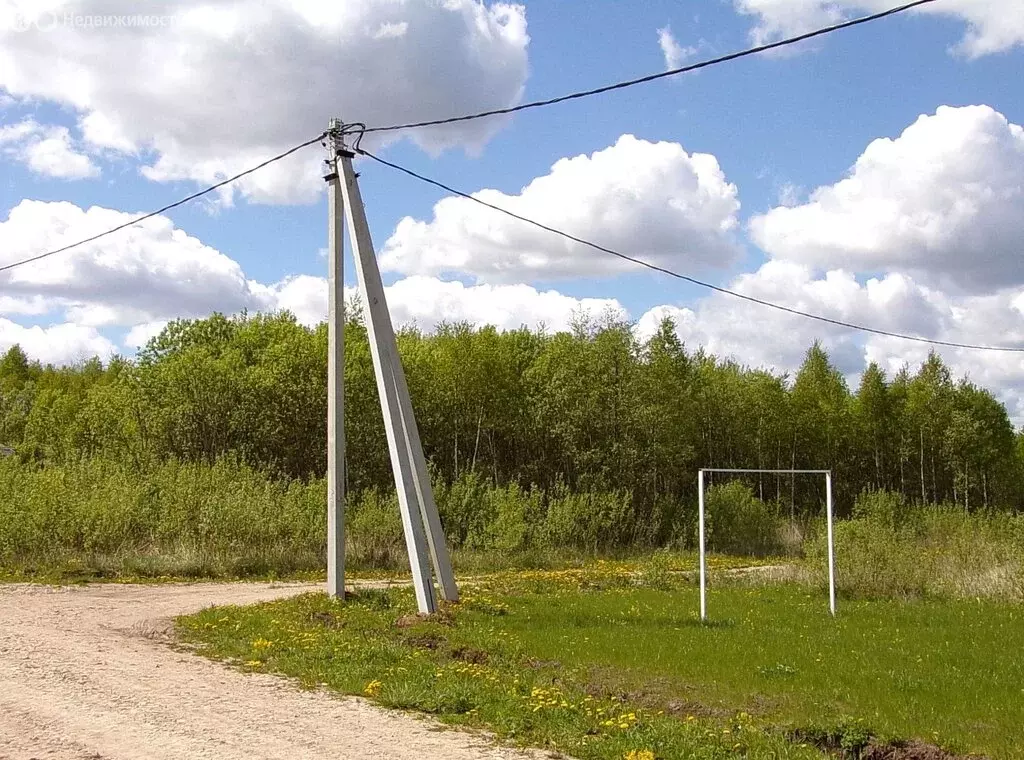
86, 673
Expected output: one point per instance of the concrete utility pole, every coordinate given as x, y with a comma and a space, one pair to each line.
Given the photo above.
420, 519
335, 373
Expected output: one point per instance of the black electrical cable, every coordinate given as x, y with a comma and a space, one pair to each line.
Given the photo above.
687, 278
469, 117
660, 75
168, 207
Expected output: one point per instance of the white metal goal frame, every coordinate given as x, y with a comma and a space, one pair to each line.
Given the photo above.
742, 471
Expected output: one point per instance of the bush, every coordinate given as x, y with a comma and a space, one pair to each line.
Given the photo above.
736, 522
462, 507
589, 521
883, 507
665, 523
100, 517
891, 549
190, 519
374, 535
512, 519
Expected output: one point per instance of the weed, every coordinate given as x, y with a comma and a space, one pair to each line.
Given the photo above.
580, 662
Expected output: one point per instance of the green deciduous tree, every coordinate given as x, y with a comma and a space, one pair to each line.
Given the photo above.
589, 418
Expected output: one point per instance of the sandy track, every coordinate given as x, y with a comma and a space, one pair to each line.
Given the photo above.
86, 674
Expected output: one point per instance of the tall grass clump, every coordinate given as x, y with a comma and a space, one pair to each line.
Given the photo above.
893, 548
373, 531
107, 518
103, 518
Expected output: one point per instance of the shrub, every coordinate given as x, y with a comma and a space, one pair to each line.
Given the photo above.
664, 523
513, 517
462, 507
924, 551
589, 521
374, 534
223, 518
736, 522
883, 507
657, 571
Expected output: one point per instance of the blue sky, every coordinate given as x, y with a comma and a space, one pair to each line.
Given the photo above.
778, 126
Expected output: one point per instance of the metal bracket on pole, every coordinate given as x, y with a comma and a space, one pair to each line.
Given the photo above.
420, 518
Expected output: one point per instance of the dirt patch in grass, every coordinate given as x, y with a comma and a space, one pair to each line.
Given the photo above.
682, 708
912, 750
443, 616
656, 694
428, 641
470, 655
845, 745
409, 621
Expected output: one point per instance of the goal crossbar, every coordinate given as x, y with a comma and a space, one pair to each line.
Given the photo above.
750, 471
767, 472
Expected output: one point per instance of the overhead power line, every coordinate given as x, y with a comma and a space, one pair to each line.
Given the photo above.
687, 278
168, 207
660, 75
483, 114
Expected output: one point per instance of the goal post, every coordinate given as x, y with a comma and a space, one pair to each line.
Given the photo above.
701, 532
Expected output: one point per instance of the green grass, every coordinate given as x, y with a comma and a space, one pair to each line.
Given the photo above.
591, 663
189, 567
943, 671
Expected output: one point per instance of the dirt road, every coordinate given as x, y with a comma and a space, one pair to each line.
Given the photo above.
86, 674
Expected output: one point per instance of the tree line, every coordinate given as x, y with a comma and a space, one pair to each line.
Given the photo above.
592, 409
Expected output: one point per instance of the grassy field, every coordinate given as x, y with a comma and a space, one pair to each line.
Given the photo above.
605, 663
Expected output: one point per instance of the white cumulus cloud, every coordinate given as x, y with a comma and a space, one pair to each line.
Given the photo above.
46, 150
675, 54
992, 25
760, 336
144, 273
58, 344
140, 335
138, 279
303, 295
223, 84
943, 201
428, 301
649, 200
766, 338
